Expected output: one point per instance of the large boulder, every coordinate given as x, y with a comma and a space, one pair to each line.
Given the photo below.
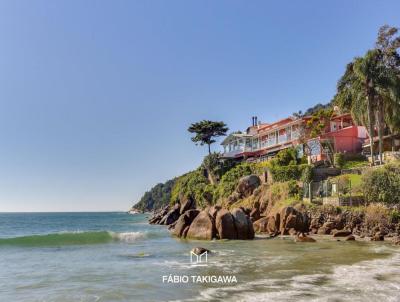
247, 185
187, 203
200, 250
341, 233
234, 197
261, 225
304, 238
171, 216
243, 225
255, 214
214, 210
202, 227
378, 237
327, 228
183, 222
158, 215
350, 238
396, 240
225, 225
273, 224
294, 220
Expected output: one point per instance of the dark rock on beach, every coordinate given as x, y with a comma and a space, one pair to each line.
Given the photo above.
171, 216
225, 225
184, 222
261, 225
341, 233
202, 227
243, 225
304, 238
200, 250
247, 185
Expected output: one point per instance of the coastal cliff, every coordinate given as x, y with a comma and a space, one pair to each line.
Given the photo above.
157, 197
270, 217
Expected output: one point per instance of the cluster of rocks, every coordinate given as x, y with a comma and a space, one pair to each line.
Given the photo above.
214, 222
286, 221
245, 188
186, 221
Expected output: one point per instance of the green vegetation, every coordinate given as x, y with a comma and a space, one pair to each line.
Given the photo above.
288, 166
319, 121
369, 88
205, 132
382, 184
312, 110
230, 179
285, 157
307, 174
284, 194
158, 196
349, 161
354, 164
292, 172
338, 160
216, 167
193, 184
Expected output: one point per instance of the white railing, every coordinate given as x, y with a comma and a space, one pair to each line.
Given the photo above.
282, 139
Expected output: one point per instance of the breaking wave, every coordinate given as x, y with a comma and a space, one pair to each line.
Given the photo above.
71, 238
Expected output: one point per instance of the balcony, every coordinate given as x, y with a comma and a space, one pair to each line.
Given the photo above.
282, 139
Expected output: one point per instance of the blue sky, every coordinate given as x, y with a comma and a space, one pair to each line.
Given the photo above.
96, 96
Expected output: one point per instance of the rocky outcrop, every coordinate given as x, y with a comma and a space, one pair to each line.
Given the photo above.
212, 222
200, 250
158, 215
225, 225
247, 185
292, 221
396, 240
378, 237
202, 227
183, 222
171, 216
261, 225
273, 224
255, 214
243, 225
303, 238
187, 203
214, 210
341, 233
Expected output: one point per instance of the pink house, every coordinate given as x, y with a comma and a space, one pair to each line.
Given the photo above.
262, 141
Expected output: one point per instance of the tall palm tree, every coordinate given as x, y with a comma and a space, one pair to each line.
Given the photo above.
355, 93
370, 91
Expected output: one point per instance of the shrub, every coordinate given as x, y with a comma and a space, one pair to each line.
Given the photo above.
283, 194
216, 166
287, 157
307, 174
395, 216
286, 173
382, 184
376, 214
338, 160
193, 184
231, 178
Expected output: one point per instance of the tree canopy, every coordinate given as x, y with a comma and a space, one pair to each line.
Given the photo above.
205, 131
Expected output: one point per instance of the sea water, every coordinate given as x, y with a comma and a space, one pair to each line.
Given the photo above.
119, 257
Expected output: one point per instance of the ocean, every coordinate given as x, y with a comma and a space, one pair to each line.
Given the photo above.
119, 257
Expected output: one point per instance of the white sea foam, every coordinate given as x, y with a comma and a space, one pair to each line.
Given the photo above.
128, 236
374, 280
